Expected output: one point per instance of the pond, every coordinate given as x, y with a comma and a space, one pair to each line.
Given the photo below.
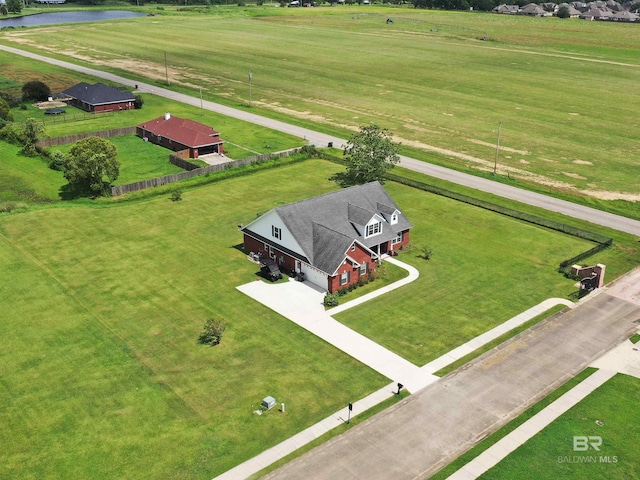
67, 17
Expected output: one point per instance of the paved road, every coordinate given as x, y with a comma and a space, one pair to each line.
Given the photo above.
422, 434
577, 211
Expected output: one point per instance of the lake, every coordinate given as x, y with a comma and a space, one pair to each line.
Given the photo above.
67, 17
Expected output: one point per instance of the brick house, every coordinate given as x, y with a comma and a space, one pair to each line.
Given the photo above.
334, 239
189, 137
99, 98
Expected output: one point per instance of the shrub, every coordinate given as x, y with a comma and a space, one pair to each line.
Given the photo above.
12, 100
138, 102
426, 253
342, 292
176, 195
56, 160
563, 12
331, 300
212, 333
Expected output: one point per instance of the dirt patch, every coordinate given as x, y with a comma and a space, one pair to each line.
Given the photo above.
493, 145
582, 162
574, 175
43, 105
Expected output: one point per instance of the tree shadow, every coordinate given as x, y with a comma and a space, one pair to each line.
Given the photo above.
342, 179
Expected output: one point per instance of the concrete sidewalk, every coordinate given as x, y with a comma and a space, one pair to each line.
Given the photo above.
625, 358
303, 304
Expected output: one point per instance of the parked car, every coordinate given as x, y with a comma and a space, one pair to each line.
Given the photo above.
270, 269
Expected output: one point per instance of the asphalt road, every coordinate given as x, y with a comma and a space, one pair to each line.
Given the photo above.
420, 435
319, 139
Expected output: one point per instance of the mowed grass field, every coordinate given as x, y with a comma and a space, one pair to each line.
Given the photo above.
102, 375
550, 454
101, 370
564, 90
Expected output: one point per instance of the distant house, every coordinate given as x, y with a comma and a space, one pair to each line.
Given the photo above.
181, 135
99, 97
334, 239
595, 13
624, 17
533, 10
507, 9
573, 12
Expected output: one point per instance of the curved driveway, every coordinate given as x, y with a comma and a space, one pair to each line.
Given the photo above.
556, 205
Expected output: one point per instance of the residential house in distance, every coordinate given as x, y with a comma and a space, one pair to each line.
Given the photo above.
188, 138
334, 239
99, 97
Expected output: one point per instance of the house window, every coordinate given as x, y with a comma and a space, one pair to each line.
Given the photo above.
363, 269
394, 218
272, 252
276, 232
397, 238
344, 278
353, 247
373, 229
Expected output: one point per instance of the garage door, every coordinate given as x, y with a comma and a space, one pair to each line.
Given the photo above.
315, 276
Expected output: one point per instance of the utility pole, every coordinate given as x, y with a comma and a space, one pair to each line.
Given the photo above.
166, 68
495, 163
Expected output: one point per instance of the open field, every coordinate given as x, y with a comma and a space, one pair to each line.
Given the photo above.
549, 455
563, 90
126, 289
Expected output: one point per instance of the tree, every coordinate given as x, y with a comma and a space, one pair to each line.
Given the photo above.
563, 12
30, 134
369, 154
89, 161
5, 111
3, 10
35, 90
212, 333
14, 6
138, 102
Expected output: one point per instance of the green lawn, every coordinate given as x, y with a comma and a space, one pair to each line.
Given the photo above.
106, 300
102, 375
139, 160
550, 454
482, 273
428, 78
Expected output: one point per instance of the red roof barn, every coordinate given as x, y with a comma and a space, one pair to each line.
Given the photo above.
181, 135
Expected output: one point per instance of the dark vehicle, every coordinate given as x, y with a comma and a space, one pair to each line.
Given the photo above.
270, 269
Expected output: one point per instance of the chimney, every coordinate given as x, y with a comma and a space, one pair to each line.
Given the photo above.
167, 116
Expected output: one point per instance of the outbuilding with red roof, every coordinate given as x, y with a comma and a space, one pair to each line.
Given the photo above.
191, 139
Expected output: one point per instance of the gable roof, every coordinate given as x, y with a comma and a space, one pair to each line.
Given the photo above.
98, 94
326, 226
183, 130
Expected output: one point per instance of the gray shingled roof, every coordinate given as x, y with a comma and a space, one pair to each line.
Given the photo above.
98, 94
323, 226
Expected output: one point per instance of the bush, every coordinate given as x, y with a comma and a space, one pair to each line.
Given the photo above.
56, 161
138, 102
176, 195
213, 331
563, 12
426, 253
331, 300
10, 99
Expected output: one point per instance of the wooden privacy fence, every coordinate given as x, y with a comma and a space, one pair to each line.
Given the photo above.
114, 132
177, 177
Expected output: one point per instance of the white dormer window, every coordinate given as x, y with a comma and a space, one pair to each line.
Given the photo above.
373, 229
394, 218
276, 232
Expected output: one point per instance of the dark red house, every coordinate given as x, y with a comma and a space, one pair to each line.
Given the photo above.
334, 239
99, 98
190, 138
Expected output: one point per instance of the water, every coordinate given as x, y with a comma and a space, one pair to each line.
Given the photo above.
67, 17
